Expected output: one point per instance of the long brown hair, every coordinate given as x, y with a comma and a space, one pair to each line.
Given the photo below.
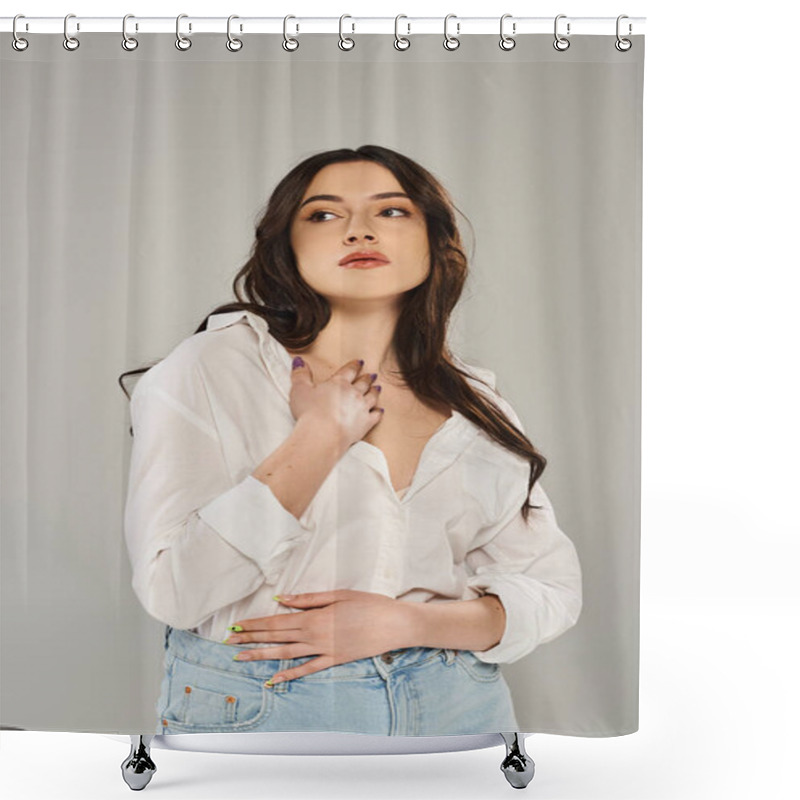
270, 285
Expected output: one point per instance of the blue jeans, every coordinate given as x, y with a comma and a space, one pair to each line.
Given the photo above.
415, 691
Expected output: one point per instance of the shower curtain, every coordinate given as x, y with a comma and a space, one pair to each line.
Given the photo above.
135, 186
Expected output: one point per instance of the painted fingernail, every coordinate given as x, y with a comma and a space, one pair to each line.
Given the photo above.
377, 386
381, 410
373, 375
237, 628
361, 361
297, 362
243, 656
275, 679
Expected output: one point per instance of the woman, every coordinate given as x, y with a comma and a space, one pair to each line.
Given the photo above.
314, 471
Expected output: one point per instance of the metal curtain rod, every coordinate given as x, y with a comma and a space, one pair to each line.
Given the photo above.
458, 26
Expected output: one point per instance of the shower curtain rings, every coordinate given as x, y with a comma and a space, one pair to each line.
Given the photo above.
17, 42
289, 42
233, 44
345, 43
181, 41
507, 42
561, 43
128, 42
623, 45
400, 42
451, 42
70, 42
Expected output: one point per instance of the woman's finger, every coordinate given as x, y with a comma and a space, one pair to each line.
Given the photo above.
315, 665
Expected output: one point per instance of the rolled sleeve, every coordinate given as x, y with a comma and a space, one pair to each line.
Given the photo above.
533, 568
198, 538
251, 518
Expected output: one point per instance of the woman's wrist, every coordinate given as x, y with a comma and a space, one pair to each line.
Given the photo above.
456, 624
321, 434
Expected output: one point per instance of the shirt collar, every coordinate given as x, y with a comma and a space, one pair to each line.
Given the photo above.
275, 356
455, 432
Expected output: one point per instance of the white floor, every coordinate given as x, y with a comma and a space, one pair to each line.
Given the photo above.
719, 724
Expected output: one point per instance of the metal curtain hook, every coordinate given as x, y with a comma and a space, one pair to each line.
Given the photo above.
400, 42
233, 44
451, 42
345, 43
181, 42
70, 42
507, 42
561, 43
128, 42
623, 45
17, 42
289, 42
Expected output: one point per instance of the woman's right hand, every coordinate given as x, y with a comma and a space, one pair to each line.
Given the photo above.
347, 401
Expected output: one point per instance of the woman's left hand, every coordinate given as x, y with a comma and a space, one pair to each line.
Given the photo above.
339, 626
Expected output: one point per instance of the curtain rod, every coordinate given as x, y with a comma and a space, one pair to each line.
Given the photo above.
456, 26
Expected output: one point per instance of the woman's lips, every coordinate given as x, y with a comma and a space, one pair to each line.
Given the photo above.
364, 263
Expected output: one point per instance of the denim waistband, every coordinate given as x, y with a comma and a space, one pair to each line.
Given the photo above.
195, 649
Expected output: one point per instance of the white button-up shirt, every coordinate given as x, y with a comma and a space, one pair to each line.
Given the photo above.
211, 544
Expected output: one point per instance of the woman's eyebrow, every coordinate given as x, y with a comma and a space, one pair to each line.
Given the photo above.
336, 199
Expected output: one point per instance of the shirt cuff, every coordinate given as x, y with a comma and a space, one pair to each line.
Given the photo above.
533, 617
251, 518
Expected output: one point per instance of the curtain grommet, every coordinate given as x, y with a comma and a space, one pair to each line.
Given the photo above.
345, 42
401, 42
70, 43
182, 42
451, 42
129, 43
622, 44
17, 42
507, 42
290, 44
561, 43
233, 44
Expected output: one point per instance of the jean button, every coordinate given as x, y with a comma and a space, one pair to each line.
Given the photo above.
387, 658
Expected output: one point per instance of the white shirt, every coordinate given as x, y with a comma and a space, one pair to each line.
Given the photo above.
210, 544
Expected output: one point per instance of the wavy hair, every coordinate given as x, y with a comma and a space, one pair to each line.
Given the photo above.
270, 285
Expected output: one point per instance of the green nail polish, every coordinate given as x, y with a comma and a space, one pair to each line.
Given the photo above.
236, 628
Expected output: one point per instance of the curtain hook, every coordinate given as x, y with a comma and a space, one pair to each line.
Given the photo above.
17, 42
289, 42
451, 42
70, 42
345, 43
560, 40
623, 45
400, 42
181, 41
233, 44
507, 42
129, 42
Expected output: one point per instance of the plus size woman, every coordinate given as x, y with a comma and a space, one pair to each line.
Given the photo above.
340, 522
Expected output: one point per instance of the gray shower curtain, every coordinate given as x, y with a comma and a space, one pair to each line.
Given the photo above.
131, 186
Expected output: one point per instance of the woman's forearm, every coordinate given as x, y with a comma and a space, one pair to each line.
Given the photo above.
296, 470
458, 624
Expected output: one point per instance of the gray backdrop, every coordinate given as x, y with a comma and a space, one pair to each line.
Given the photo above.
131, 183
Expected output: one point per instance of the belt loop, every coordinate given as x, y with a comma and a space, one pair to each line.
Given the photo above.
449, 655
167, 631
284, 664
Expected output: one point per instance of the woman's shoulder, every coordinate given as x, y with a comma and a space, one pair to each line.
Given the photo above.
220, 350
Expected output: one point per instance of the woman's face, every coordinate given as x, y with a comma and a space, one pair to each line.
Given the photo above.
352, 220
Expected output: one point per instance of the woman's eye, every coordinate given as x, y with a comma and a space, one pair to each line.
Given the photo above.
315, 217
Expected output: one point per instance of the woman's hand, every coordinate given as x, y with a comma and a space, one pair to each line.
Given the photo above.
345, 402
339, 626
